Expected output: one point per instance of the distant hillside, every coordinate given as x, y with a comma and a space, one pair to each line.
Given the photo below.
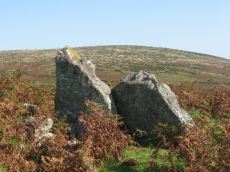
114, 62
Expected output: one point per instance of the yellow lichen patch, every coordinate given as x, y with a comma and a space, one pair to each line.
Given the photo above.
73, 53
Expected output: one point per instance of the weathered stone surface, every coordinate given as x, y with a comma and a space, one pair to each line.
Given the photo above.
77, 82
143, 102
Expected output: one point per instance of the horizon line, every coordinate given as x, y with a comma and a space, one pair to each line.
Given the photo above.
110, 45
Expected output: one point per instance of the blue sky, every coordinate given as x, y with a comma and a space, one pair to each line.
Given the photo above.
194, 25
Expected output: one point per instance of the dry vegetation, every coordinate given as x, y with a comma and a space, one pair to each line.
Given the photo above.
204, 147
213, 101
102, 140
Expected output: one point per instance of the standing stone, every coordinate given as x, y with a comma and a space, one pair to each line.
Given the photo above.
77, 82
143, 102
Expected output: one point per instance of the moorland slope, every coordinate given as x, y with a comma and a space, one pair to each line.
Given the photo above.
114, 62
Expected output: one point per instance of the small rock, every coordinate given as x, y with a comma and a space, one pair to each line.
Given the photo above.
130, 162
41, 129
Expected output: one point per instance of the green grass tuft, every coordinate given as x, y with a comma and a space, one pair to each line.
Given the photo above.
3, 168
141, 155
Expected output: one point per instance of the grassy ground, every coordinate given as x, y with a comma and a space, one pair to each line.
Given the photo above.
140, 154
143, 157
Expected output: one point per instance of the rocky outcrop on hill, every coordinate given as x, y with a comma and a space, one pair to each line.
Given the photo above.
143, 102
77, 82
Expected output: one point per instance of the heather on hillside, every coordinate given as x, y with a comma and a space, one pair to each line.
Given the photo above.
115, 62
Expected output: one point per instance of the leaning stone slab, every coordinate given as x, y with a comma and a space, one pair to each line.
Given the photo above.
143, 102
77, 82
